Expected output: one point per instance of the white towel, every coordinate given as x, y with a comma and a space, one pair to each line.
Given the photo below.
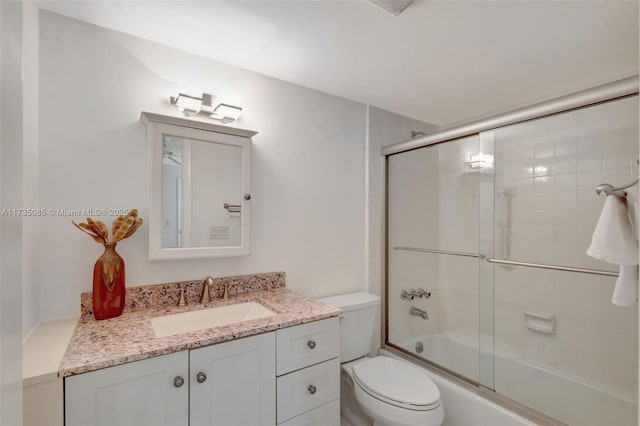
614, 241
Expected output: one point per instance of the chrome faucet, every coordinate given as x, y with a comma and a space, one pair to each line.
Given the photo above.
411, 294
206, 297
417, 312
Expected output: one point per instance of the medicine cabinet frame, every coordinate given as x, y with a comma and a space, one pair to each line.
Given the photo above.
159, 125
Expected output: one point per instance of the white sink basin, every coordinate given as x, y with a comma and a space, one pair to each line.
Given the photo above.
185, 322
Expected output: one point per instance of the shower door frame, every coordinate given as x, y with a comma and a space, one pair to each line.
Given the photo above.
609, 92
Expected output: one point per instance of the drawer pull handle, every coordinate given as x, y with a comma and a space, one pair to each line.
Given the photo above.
312, 389
178, 381
201, 377
311, 344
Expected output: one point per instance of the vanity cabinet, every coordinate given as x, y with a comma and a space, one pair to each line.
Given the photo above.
238, 386
309, 374
287, 377
231, 383
142, 393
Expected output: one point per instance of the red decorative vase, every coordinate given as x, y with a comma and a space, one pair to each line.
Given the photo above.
108, 284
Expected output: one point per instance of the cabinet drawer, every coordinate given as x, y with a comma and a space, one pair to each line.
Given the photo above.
306, 389
307, 344
325, 415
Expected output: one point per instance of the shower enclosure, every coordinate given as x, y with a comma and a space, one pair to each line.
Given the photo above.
486, 271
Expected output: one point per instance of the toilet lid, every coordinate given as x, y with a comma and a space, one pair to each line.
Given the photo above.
396, 381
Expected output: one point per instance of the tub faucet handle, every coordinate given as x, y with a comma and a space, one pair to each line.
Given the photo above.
421, 292
406, 295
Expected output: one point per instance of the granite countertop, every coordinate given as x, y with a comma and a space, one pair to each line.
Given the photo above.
130, 337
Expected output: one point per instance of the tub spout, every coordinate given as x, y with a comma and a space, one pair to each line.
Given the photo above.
417, 312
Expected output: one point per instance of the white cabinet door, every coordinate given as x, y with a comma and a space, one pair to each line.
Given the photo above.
325, 415
306, 389
234, 383
141, 393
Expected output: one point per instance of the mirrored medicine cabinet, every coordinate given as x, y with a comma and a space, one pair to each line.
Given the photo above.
200, 188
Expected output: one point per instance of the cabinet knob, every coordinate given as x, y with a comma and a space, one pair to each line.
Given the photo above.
178, 381
312, 389
311, 344
201, 377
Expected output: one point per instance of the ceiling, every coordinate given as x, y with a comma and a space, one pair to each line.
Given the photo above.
444, 62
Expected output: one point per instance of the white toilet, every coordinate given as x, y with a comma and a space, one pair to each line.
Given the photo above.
389, 391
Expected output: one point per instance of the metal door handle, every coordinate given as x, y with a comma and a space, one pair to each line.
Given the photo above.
311, 344
178, 381
201, 377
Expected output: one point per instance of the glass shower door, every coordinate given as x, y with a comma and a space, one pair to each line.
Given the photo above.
433, 254
561, 347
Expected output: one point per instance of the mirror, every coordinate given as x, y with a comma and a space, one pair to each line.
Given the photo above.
200, 197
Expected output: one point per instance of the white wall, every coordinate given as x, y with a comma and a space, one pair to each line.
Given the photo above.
308, 170
30, 174
10, 226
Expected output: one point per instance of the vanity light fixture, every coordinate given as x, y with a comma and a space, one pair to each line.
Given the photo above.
187, 104
481, 161
228, 113
191, 105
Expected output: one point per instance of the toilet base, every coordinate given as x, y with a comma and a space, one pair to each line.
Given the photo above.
361, 409
349, 409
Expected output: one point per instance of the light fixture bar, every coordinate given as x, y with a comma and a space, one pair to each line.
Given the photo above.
191, 105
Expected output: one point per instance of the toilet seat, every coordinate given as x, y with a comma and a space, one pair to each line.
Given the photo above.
397, 383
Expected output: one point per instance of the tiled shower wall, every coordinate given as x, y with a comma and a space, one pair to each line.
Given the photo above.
546, 174
546, 209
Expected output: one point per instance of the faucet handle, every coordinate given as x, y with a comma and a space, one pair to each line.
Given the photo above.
420, 293
206, 298
182, 301
406, 295
226, 291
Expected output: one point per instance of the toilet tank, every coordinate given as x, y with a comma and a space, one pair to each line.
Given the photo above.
356, 322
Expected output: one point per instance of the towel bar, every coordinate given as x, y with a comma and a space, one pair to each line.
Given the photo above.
611, 190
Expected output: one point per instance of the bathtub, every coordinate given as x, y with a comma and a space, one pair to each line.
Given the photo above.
581, 403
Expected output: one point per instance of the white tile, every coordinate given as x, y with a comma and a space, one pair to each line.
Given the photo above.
565, 218
616, 177
565, 200
566, 182
589, 180
566, 165
543, 150
543, 184
565, 147
590, 164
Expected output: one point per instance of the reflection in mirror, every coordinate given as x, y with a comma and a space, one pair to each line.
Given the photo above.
201, 193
